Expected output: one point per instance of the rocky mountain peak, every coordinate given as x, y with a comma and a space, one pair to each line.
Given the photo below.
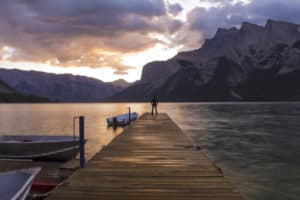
221, 32
121, 83
272, 24
246, 26
281, 32
234, 64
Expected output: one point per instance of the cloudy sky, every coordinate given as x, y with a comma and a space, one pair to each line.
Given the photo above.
112, 39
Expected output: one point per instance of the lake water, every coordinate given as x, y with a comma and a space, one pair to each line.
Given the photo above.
256, 144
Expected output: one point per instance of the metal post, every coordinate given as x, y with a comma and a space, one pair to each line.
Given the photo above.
82, 141
129, 115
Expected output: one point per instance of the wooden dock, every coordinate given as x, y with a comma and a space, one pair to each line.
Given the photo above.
151, 159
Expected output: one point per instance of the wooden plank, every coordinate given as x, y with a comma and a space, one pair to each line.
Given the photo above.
151, 159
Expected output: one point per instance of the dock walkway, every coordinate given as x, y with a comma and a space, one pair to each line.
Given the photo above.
151, 159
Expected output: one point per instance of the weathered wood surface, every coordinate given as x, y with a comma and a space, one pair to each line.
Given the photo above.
51, 171
151, 159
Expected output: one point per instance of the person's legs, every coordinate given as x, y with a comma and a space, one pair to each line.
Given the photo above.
152, 110
156, 109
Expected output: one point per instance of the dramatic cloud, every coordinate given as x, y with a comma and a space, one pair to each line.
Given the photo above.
84, 33
174, 9
101, 33
230, 14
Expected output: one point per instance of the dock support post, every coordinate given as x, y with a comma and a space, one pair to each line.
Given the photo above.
129, 112
82, 141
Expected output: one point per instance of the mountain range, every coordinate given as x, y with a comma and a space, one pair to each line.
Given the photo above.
60, 88
250, 63
9, 95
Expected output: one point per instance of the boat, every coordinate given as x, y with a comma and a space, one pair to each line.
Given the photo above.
49, 148
15, 185
122, 120
42, 189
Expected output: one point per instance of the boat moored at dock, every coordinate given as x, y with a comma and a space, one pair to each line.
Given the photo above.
54, 148
15, 185
122, 120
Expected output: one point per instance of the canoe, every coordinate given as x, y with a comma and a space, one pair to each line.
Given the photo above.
15, 185
60, 148
42, 189
121, 120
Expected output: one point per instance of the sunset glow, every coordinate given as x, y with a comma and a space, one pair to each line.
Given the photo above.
109, 40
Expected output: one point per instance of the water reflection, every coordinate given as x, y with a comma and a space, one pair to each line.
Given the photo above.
57, 119
256, 144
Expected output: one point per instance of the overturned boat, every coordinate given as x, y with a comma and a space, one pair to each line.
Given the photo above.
122, 120
49, 148
15, 185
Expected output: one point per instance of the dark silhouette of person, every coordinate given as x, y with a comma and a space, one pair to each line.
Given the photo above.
154, 103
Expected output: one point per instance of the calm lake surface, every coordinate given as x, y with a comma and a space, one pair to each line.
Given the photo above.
256, 144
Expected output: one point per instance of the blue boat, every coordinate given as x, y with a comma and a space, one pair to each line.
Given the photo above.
122, 120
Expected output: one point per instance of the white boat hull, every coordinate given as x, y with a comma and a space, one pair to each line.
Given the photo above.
15, 185
121, 120
60, 148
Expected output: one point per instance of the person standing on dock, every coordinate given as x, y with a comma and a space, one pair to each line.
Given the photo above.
154, 103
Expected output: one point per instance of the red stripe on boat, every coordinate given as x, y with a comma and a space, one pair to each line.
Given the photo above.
43, 186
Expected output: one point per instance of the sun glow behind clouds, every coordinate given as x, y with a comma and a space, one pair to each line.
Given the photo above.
106, 74
136, 61
107, 64
104, 67
157, 53
7, 52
